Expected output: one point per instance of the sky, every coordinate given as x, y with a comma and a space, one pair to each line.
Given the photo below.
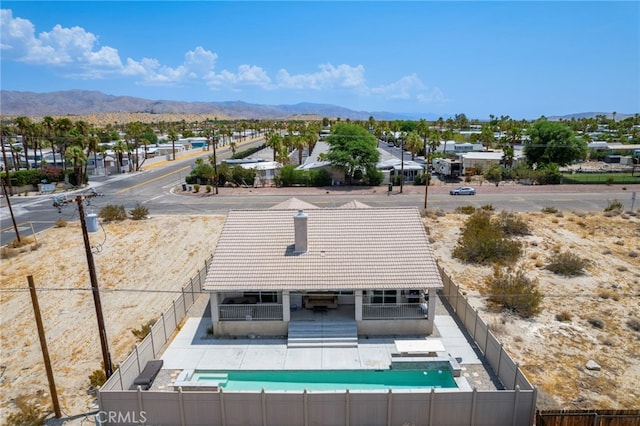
523, 59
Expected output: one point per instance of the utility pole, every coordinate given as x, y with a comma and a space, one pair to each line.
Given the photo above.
401, 164
43, 345
6, 163
215, 159
427, 177
106, 356
13, 218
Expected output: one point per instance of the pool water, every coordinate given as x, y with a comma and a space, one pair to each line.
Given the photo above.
327, 379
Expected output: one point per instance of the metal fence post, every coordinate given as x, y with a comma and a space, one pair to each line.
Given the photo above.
499, 360
474, 396
153, 347
475, 323
431, 405
137, 358
389, 406
181, 403
263, 400
515, 405
164, 327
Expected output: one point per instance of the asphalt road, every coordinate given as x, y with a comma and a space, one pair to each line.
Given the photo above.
160, 190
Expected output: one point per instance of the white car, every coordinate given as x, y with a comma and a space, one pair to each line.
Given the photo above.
463, 190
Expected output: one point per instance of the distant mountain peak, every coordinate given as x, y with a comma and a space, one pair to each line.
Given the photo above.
86, 102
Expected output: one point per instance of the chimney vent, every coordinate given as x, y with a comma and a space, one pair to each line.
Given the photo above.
300, 229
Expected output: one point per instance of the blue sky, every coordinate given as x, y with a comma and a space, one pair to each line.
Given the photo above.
523, 58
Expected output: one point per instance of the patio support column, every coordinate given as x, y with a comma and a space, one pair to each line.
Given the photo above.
358, 294
431, 309
215, 312
286, 306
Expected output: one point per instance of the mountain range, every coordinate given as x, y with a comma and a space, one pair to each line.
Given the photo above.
83, 102
87, 102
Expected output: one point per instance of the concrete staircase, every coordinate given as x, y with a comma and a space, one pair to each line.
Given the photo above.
322, 334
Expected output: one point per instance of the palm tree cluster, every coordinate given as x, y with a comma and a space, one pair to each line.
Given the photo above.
72, 143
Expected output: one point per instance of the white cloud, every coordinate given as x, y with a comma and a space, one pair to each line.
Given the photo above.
329, 76
78, 53
410, 87
246, 75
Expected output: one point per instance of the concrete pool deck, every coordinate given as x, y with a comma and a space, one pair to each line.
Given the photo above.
193, 349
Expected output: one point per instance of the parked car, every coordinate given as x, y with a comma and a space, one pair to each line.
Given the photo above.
463, 190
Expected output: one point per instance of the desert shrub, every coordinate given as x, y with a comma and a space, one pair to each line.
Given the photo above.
563, 316
487, 207
549, 210
514, 291
614, 205
143, 331
633, 254
29, 413
633, 324
196, 187
139, 212
61, 223
596, 322
112, 213
513, 225
567, 264
208, 189
97, 378
483, 241
465, 209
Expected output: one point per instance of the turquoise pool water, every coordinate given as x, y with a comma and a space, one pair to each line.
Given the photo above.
327, 379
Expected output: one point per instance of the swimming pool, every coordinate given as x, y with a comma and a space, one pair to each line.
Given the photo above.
255, 380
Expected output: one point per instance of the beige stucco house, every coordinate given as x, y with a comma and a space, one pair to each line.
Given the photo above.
373, 266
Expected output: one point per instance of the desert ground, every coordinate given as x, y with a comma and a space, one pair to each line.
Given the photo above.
142, 264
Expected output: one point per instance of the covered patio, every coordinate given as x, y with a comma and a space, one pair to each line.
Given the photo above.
273, 267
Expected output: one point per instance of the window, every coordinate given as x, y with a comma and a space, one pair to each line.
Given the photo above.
263, 296
384, 296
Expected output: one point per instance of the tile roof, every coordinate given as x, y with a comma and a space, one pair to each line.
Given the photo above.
348, 249
293, 204
355, 204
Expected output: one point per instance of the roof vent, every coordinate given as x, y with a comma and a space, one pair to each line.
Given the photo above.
300, 229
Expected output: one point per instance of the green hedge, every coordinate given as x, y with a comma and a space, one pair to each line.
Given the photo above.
36, 176
289, 176
247, 152
601, 178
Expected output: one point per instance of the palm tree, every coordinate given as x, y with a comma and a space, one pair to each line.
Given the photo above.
132, 134
93, 145
173, 137
62, 127
413, 143
15, 153
486, 136
23, 125
275, 142
76, 155
120, 148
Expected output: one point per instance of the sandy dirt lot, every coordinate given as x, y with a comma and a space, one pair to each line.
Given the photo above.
141, 266
142, 263
553, 353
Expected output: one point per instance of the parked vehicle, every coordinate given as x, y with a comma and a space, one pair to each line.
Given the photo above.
463, 190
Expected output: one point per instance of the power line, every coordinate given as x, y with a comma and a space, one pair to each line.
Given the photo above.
152, 291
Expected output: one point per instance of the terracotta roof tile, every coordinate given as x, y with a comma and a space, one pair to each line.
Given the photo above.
362, 248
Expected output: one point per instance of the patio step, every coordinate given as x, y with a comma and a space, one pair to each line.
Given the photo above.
313, 334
